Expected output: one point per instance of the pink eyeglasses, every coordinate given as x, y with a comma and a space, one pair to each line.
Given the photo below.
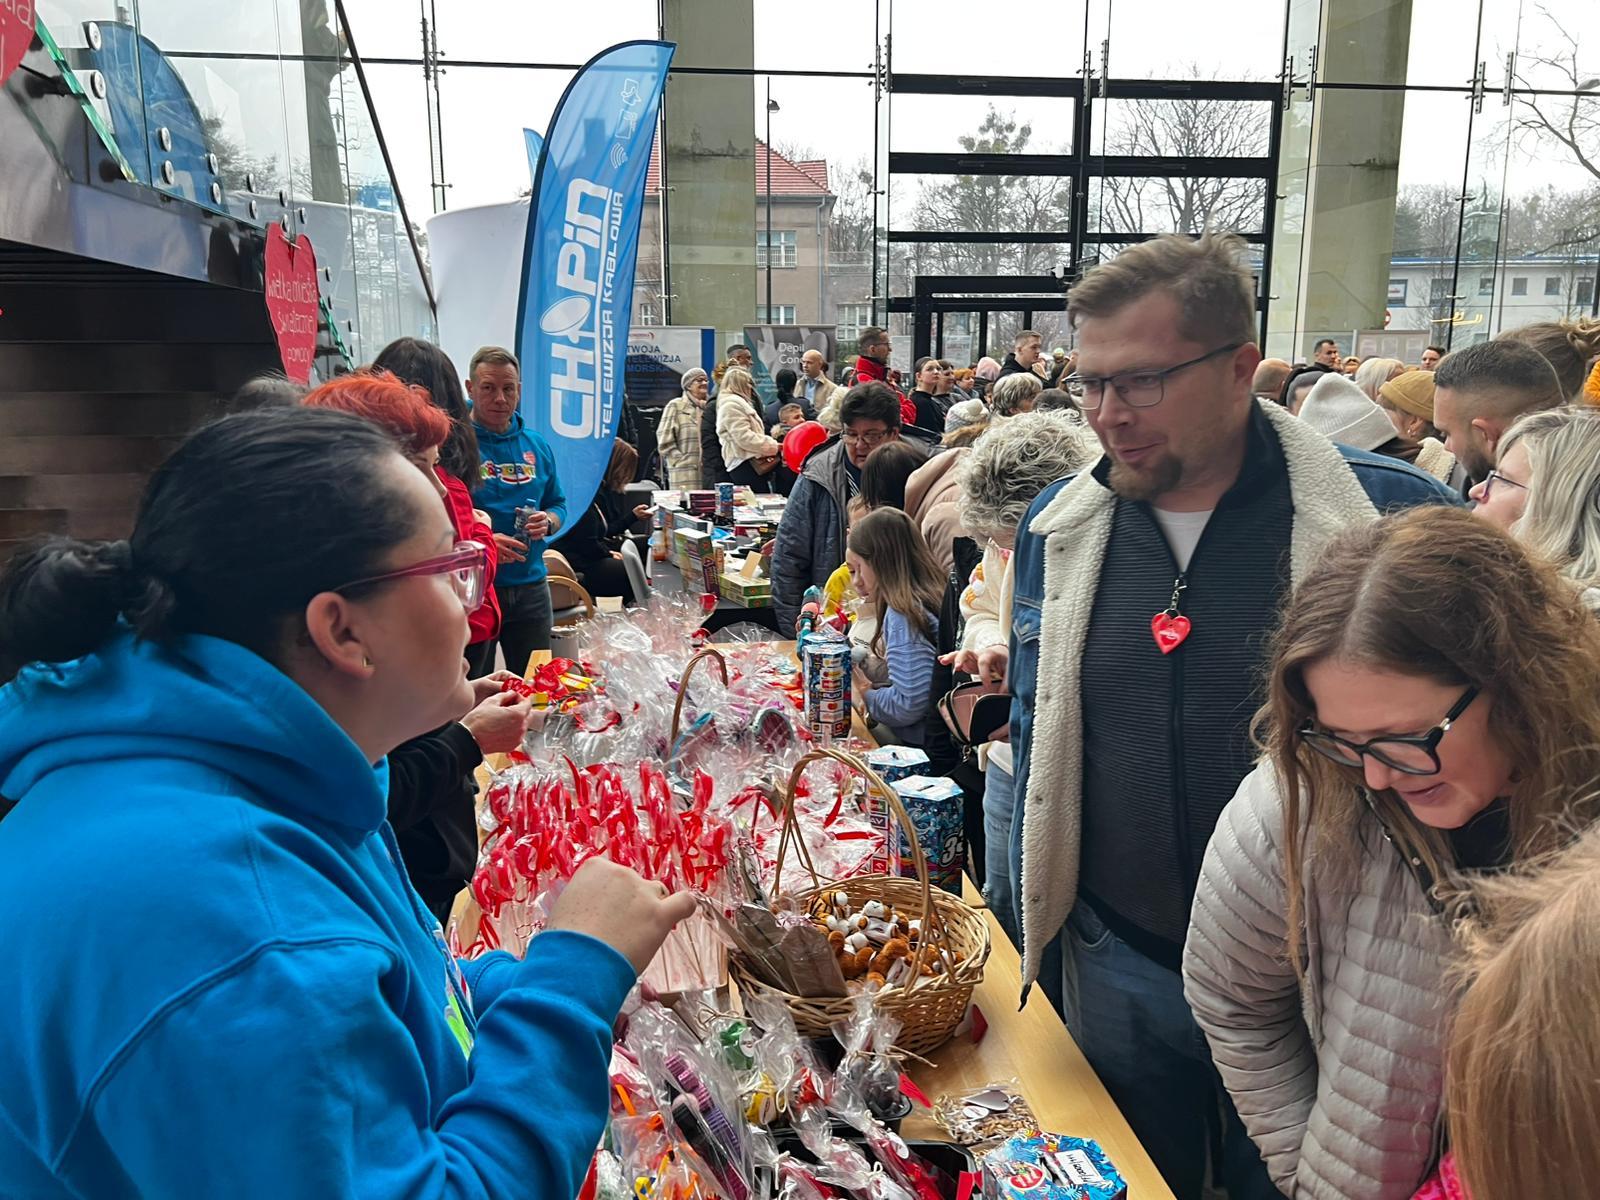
466, 566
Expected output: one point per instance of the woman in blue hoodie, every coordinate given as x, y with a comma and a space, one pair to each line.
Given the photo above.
219, 979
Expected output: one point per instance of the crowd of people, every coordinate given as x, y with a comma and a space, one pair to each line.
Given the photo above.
1291, 820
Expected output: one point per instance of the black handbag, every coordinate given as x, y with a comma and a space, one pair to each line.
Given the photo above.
975, 715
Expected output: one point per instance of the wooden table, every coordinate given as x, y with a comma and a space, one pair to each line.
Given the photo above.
1034, 1048
1031, 1046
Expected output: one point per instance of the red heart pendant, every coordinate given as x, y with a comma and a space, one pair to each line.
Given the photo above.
1169, 630
291, 294
16, 35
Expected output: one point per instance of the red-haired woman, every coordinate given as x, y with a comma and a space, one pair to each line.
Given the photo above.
430, 802
422, 364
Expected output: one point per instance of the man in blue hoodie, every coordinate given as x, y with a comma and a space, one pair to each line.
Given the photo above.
519, 472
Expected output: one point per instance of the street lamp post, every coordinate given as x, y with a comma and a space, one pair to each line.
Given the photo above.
772, 107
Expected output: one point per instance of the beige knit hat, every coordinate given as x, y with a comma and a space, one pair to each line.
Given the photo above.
1411, 392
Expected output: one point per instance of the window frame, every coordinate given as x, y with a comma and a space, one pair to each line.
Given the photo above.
1085, 170
788, 248
846, 331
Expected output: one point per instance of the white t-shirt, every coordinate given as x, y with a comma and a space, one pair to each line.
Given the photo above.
1182, 531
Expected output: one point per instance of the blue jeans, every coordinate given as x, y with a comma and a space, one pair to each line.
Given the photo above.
999, 805
1128, 1016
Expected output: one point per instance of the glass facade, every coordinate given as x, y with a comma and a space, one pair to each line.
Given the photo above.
1427, 166
255, 112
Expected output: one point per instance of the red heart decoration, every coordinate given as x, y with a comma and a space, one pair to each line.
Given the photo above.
291, 289
16, 34
1169, 630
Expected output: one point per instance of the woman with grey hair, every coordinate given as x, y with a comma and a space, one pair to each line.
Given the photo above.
1054, 399
678, 432
1016, 393
1002, 475
1545, 491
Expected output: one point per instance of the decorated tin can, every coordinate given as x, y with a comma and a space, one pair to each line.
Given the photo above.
934, 804
825, 666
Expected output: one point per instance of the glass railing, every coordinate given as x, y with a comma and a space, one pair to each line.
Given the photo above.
252, 111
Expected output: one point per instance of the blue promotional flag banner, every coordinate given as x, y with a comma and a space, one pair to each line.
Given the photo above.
577, 267
535, 143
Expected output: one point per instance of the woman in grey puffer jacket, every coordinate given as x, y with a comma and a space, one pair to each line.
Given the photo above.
1431, 713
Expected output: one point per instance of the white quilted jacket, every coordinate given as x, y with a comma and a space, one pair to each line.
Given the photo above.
1340, 1084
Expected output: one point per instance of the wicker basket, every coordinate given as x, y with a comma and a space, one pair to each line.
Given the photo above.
928, 1007
683, 686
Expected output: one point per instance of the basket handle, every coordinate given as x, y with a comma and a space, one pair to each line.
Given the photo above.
683, 686
932, 925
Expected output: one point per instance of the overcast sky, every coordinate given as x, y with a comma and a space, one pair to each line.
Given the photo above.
484, 110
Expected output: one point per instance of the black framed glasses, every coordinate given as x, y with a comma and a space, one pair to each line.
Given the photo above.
871, 437
1494, 477
1138, 389
466, 565
1417, 755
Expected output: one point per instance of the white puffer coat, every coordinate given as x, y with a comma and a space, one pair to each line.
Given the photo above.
1340, 1084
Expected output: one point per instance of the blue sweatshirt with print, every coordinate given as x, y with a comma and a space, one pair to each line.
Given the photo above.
519, 471
219, 982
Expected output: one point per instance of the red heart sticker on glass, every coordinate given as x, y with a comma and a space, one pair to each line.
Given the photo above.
1169, 630
16, 34
291, 288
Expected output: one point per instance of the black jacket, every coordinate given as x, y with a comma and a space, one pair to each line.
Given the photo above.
600, 530
930, 413
432, 809
769, 414
1153, 791
1012, 367
713, 470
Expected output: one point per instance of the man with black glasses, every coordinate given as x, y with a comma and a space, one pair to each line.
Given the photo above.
810, 541
1145, 591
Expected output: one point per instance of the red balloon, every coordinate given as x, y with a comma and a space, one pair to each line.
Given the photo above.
801, 441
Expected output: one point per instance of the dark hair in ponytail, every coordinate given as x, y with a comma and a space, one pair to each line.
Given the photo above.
249, 518
413, 360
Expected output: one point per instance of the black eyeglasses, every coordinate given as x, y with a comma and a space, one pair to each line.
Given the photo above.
1494, 477
1138, 389
1409, 755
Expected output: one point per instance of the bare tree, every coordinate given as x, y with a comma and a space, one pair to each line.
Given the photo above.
1569, 122
1183, 128
852, 221
994, 204
997, 204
